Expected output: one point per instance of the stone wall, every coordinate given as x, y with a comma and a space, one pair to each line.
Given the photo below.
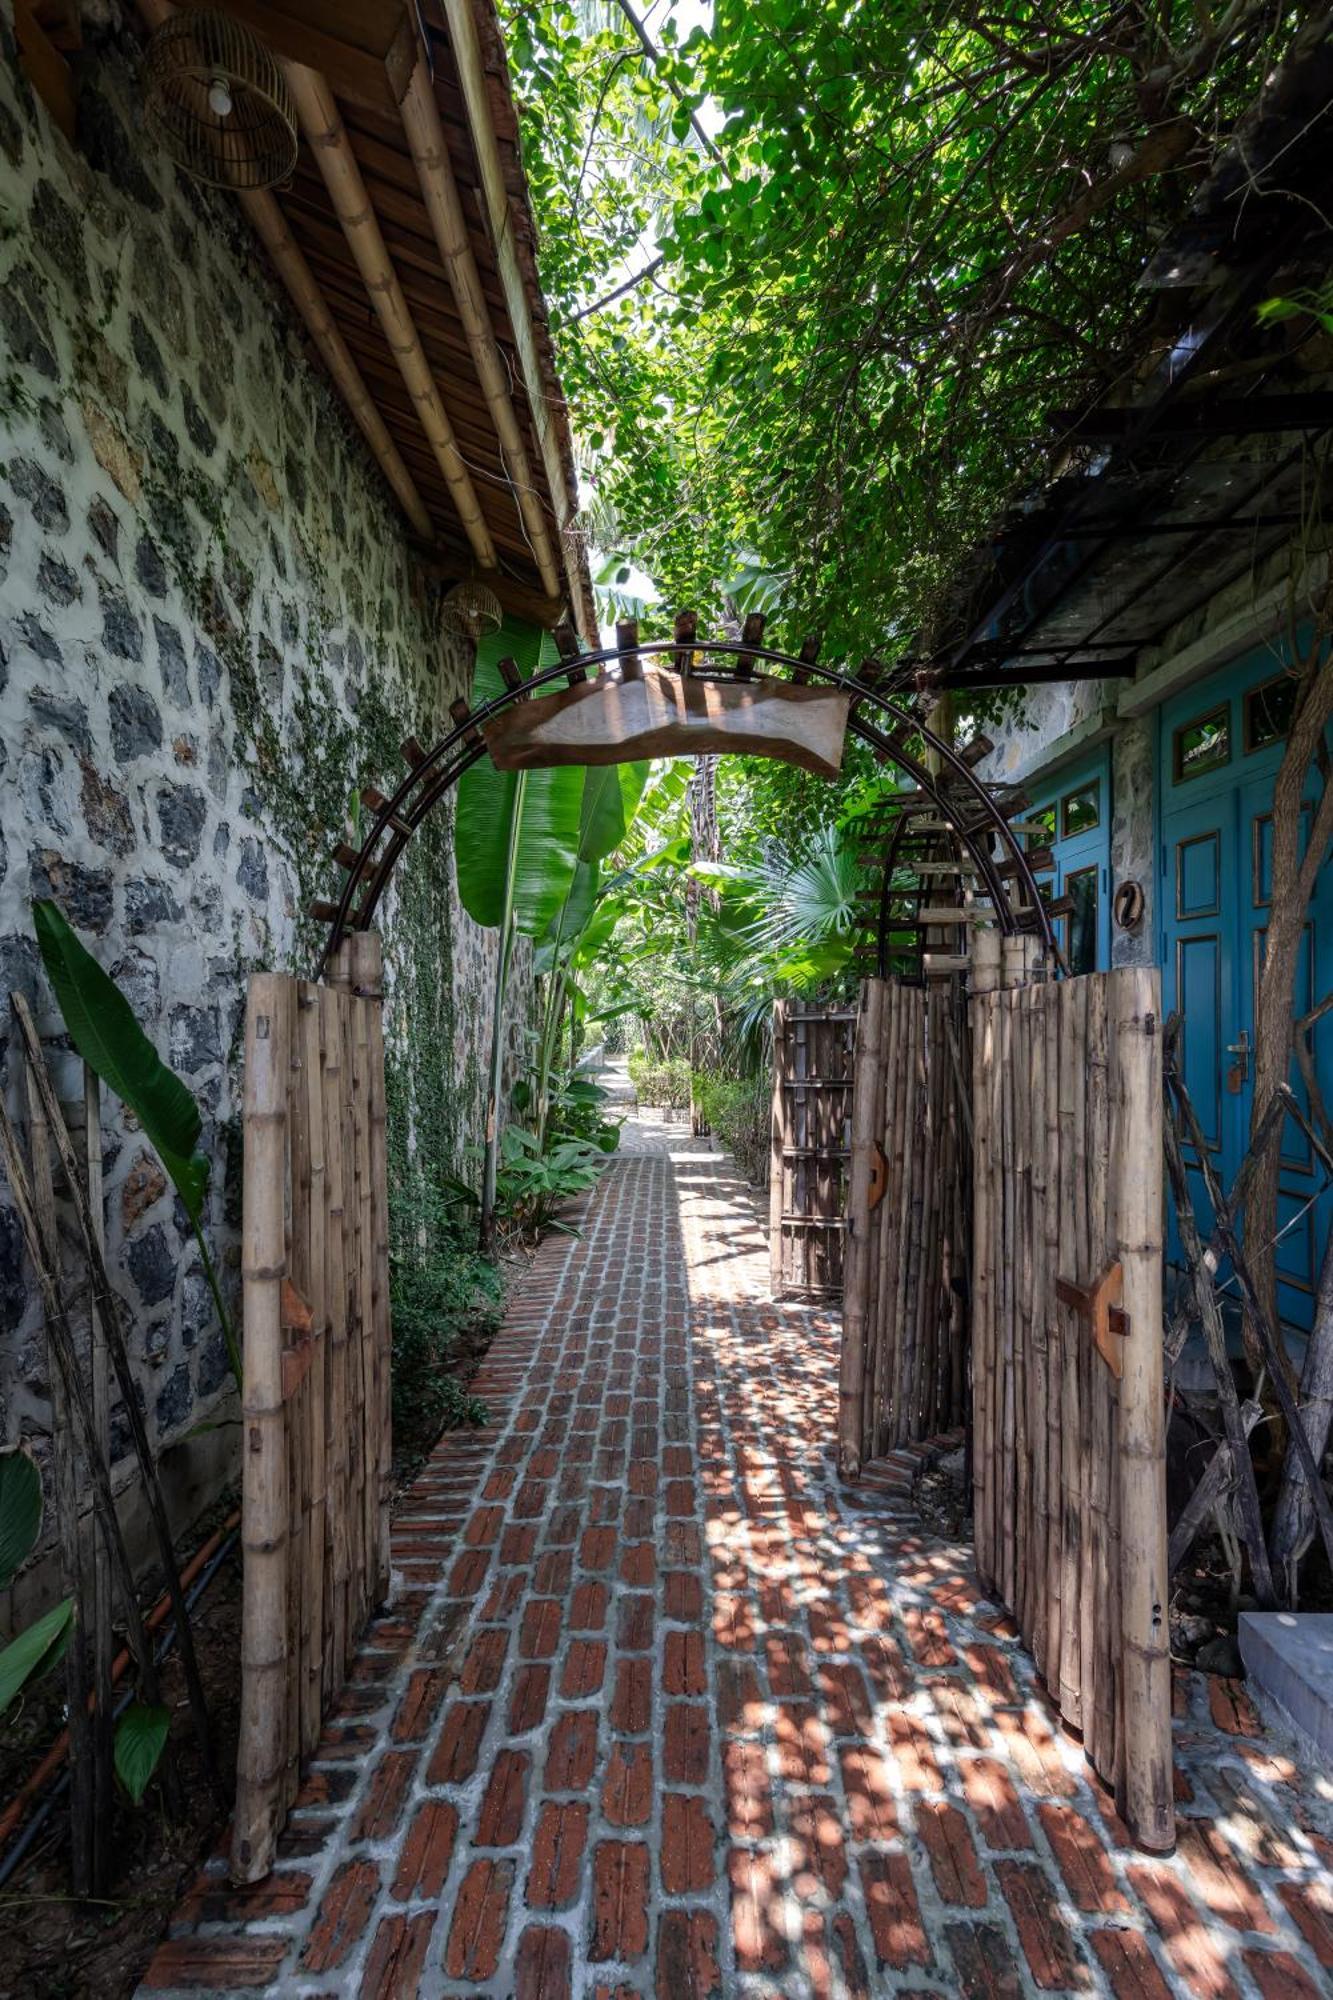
212, 632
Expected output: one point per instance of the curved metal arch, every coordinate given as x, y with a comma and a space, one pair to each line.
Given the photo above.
432, 775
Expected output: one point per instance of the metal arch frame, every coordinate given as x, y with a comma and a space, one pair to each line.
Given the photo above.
434, 775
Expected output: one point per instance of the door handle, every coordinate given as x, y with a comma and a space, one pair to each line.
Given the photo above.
1239, 1073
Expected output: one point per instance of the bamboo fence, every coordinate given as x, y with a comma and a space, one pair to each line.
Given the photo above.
811, 1140
904, 1345
1069, 1485
315, 1270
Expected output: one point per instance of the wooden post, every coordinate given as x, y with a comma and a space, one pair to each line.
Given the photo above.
778, 1140
261, 1752
862, 1223
368, 983
1135, 1007
332, 1005
103, 1636
312, 1084
985, 980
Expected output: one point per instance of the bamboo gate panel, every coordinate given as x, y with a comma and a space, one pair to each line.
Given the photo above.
909, 1207
316, 1404
811, 1142
1069, 1475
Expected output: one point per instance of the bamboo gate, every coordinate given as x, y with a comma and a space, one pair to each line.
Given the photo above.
1066, 1366
811, 1133
909, 1209
316, 1400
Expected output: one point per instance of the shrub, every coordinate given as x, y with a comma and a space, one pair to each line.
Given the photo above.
739, 1111
445, 1301
662, 1082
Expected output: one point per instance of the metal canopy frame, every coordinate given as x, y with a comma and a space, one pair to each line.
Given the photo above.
972, 816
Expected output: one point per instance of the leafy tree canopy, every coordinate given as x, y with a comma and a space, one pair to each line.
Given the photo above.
881, 240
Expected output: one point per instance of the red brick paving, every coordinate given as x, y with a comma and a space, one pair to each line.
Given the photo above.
659, 1709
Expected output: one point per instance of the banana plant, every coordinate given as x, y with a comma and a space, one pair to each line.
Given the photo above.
37, 1648
516, 838
103, 1029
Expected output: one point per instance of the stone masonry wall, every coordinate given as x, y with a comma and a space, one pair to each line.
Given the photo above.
212, 632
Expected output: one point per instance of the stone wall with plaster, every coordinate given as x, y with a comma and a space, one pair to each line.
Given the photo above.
212, 633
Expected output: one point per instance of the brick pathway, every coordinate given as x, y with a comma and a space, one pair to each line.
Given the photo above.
656, 1711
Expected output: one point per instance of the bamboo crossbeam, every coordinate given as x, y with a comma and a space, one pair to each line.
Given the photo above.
327, 138
439, 190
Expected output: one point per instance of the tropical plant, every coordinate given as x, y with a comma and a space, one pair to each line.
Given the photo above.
535, 1182
103, 1029
739, 1111
39, 1646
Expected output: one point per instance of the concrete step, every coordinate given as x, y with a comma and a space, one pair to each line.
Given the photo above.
1289, 1654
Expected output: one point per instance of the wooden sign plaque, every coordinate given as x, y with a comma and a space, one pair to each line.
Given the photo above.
608, 721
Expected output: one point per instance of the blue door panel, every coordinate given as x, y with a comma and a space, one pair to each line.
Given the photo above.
1216, 772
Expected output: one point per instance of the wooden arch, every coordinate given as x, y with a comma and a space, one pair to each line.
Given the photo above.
949, 812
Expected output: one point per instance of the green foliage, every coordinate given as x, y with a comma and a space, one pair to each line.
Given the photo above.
103, 1029
140, 1739
536, 1181
919, 229
35, 1651
449, 1298
664, 1083
20, 1511
739, 1110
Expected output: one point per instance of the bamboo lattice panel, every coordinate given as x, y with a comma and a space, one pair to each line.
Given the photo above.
812, 1109
904, 1353
315, 1522
1068, 1430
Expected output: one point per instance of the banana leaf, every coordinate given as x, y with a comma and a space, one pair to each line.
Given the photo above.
20, 1511
105, 1033
536, 814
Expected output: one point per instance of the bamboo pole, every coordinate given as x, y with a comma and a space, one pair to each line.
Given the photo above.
1102, 1596
261, 1750
985, 979
1054, 1551
1071, 1342
103, 1633
1135, 1012
1020, 1064
65, 1478
317, 1430
368, 979
296, 1440
887, 1244
326, 136
337, 1428
106, 1303
1038, 1417
44, 1251
861, 1226
439, 190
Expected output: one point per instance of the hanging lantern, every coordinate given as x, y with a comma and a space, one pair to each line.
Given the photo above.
218, 103
471, 609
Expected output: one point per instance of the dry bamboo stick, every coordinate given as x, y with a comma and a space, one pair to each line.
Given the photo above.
356, 1349
44, 1252
106, 1303
862, 1226
1021, 1260
1135, 1012
369, 1420
295, 1443
103, 1634
1006, 1210
65, 1476
890, 1244
1038, 1373
905, 1142
261, 1751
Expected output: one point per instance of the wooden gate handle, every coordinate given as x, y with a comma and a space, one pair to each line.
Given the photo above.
879, 1175
1099, 1307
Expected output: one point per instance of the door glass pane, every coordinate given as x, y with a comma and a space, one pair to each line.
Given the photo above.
1042, 823
1081, 811
1081, 888
1268, 711
1202, 746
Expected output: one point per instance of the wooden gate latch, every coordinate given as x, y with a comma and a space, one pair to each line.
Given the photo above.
879, 1175
1099, 1306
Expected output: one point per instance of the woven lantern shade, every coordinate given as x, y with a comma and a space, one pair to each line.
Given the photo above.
218, 103
472, 609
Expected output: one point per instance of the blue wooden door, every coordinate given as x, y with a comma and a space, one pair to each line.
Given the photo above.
1073, 814
1221, 744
